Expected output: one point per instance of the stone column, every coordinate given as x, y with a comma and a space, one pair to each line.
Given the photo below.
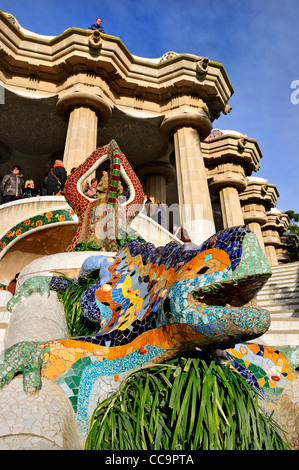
155, 186
187, 129
229, 157
230, 207
276, 224
271, 255
255, 227
228, 179
85, 112
155, 176
258, 198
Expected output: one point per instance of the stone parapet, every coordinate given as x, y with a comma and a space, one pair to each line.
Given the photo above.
261, 192
53, 64
229, 147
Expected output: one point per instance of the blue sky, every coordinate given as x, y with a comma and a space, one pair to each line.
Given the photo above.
256, 40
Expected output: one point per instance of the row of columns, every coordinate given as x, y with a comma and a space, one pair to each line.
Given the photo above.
196, 178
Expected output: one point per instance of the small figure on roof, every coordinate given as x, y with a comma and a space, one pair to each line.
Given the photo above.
97, 25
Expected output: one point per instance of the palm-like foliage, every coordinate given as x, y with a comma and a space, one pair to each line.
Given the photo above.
186, 404
71, 297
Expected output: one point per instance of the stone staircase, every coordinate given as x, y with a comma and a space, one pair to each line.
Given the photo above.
280, 296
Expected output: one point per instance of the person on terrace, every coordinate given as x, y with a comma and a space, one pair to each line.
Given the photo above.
97, 26
12, 185
29, 190
56, 179
103, 185
91, 190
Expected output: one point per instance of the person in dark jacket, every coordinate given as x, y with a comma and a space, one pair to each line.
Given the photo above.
56, 179
12, 185
97, 25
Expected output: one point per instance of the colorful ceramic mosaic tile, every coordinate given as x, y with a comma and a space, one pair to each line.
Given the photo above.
150, 304
36, 222
85, 208
267, 369
214, 133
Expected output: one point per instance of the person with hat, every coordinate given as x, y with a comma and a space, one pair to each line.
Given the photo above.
12, 185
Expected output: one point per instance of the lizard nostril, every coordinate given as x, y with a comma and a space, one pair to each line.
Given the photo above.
166, 307
203, 270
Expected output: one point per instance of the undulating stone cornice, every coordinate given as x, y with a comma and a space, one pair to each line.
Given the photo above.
53, 60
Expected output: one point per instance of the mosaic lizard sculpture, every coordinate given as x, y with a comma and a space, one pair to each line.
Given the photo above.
150, 304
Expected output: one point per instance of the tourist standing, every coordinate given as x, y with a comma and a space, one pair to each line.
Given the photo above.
91, 190
29, 190
12, 185
56, 179
97, 26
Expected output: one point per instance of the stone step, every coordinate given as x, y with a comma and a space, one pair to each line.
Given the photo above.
291, 302
283, 313
278, 272
284, 286
276, 301
286, 266
278, 294
275, 307
283, 302
284, 275
284, 324
277, 338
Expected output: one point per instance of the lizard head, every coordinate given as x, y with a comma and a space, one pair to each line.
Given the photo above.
215, 289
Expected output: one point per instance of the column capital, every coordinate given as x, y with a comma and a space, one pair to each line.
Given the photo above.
159, 168
87, 100
197, 119
228, 179
254, 213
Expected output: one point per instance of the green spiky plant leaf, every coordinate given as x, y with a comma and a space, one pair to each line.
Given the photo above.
186, 404
71, 297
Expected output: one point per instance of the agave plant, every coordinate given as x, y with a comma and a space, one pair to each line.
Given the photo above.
71, 297
89, 246
186, 404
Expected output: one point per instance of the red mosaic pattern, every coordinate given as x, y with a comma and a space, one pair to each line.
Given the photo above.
81, 203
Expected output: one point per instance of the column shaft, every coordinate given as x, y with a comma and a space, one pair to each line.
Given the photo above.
256, 228
230, 207
81, 138
155, 187
271, 255
193, 190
